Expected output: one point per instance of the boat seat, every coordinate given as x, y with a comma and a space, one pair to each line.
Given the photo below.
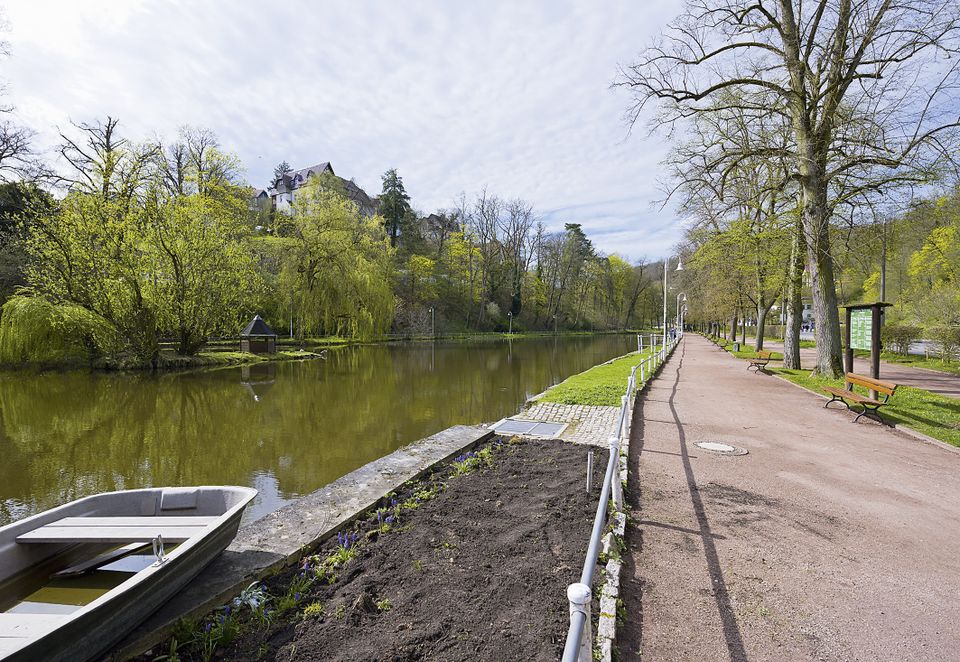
117, 529
18, 630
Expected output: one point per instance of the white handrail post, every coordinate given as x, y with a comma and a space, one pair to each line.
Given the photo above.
580, 598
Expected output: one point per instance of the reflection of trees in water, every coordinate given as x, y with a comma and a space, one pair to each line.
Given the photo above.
63, 436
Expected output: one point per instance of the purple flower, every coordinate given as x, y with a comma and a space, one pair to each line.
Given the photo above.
296, 596
389, 519
208, 627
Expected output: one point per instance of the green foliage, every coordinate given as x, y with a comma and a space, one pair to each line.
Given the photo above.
313, 610
394, 204
935, 277
19, 204
947, 339
204, 273
900, 336
35, 331
339, 267
91, 252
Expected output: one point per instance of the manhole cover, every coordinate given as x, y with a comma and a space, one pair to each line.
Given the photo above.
720, 447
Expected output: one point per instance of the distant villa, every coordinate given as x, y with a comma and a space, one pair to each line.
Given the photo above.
282, 193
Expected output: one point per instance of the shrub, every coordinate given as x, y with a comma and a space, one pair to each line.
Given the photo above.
899, 337
948, 338
35, 331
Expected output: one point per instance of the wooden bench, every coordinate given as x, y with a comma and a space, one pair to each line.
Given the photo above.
760, 361
869, 406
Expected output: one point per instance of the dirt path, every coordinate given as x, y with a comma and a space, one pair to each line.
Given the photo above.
938, 382
828, 541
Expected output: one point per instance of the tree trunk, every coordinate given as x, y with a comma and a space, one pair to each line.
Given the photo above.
733, 327
791, 339
816, 226
762, 309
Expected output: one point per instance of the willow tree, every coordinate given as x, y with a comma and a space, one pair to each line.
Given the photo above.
868, 88
339, 265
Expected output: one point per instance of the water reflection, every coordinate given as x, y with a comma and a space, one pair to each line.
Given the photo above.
285, 429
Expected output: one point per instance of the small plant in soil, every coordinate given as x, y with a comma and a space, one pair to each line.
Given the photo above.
383, 604
313, 610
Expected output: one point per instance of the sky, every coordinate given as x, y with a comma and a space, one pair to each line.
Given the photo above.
512, 96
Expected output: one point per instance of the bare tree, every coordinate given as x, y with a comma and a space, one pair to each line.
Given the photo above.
516, 225
869, 88
104, 163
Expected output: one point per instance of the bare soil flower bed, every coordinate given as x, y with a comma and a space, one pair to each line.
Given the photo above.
470, 563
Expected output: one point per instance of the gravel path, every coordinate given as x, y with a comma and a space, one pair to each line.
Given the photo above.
828, 541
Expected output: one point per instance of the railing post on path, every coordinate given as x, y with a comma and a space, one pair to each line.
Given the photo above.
580, 597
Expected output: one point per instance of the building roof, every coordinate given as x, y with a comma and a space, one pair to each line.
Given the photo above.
257, 328
296, 178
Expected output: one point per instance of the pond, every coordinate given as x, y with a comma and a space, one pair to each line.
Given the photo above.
285, 429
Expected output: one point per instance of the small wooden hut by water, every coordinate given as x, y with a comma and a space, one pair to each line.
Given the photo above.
258, 338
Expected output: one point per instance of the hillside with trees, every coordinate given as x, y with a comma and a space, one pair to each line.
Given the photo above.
136, 249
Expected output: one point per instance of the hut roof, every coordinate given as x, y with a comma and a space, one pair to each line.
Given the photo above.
257, 328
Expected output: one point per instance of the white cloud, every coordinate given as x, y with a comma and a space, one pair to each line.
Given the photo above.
456, 96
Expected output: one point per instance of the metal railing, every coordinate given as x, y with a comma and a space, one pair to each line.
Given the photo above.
579, 643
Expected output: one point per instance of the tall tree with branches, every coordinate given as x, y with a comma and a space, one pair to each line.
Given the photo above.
868, 87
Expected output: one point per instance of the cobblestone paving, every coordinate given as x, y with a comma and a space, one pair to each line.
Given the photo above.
587, 424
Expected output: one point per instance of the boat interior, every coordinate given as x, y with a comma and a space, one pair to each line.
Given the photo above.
61, 560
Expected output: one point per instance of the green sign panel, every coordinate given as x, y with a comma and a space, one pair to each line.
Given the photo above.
861, 328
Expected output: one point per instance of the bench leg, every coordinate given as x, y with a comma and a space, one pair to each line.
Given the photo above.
871, 412
834, 398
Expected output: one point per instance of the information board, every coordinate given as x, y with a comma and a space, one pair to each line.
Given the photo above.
861, 328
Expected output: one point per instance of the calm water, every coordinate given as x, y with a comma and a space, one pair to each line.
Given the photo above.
284, 428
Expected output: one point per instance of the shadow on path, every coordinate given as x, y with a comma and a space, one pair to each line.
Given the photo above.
630, 637
731, 629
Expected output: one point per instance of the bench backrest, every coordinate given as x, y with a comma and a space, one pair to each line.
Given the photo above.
763, 355
869, 383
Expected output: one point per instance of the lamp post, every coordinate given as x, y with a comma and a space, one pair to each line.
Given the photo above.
666, 263
679, 326
510, 315
554, 325
433, 323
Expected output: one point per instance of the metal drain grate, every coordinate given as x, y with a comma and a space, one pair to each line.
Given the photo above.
528, 428
721, 448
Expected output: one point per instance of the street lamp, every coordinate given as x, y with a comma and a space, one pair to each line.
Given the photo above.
678, 324
433, 323
666, 262
510, 315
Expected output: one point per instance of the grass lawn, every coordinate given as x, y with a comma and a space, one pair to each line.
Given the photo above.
952, 367
749, 353
934, 415
601, 385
